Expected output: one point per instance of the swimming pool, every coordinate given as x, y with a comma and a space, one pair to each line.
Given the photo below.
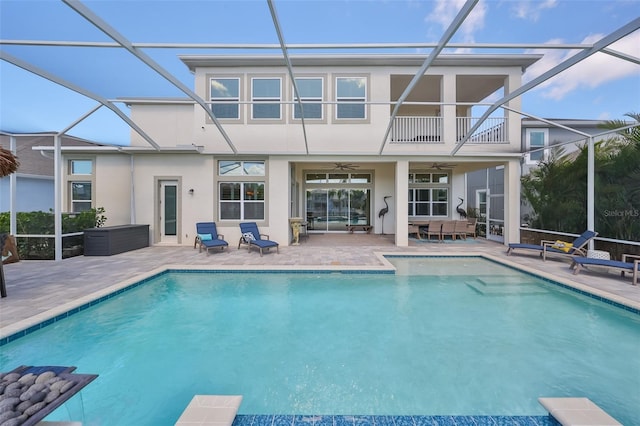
442, 336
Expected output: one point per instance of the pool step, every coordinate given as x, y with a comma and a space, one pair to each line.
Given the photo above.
577, 412
210, 410
510, 285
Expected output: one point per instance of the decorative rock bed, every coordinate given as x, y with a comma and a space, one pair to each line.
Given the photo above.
28, 394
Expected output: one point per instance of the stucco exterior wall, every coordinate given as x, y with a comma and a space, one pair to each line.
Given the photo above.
114, 197
167, 125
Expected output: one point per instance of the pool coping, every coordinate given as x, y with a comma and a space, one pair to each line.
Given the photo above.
26, 326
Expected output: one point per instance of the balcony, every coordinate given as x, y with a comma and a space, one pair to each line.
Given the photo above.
420, 130
429, 130
493, 130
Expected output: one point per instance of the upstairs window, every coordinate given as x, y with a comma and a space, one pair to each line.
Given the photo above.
225, 97
310, 91
266, 98
536, 139
351, 95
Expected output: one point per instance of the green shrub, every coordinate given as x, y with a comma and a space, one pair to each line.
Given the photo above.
43, 223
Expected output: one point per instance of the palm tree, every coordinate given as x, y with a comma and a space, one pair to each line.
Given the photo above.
557, 188
618, 182
8, 164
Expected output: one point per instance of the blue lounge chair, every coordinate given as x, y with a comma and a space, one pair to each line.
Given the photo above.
624, 265
207, 237
253, 238
577, 248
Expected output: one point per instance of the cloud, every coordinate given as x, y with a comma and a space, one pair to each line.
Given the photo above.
532, 9
446, 10
596, 70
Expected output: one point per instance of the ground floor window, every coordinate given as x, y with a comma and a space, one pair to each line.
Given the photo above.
241, 200
80, 185
80, 196
429, 202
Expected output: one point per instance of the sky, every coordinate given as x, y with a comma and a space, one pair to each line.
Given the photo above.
601, 87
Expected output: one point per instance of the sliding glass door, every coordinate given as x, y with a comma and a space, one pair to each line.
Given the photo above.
331, 209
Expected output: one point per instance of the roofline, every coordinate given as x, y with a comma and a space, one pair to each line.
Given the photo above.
201, 61
51, 134
528, 122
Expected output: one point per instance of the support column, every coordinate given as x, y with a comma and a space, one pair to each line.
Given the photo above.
512, 82
401, 203
512, 201
13, 190
591, 167
57, 202
448, 109
278, 195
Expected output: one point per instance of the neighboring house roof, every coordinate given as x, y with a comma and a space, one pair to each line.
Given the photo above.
569, 122
34, 162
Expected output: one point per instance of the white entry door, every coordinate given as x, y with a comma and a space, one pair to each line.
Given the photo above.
168, 211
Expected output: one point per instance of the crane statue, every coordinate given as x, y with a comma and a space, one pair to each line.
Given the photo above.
383, 211
462, 212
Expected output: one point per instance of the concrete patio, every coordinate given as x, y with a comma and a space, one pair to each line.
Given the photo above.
38, 290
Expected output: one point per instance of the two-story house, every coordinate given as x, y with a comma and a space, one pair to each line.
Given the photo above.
326, 140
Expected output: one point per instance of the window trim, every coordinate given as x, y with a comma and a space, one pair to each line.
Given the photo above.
71, 178
242, 201
241, 95
528, 147
241, 179
431, 186
223, 101
280, 100
321, 100
367, 96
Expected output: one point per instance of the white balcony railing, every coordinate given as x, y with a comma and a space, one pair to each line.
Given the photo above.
428, 130
422, 130
493, 130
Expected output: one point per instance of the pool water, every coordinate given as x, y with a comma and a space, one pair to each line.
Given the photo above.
441, 337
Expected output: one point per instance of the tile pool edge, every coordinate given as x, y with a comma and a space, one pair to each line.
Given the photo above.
21, 328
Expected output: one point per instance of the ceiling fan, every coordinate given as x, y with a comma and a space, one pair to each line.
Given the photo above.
344, 166
442, 166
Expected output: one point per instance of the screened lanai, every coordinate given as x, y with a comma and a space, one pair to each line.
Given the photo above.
72, 68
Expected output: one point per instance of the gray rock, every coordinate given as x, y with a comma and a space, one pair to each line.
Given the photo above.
67, 386
23, 406
43, 377
11, 377
8, 404
16, 421
57, 385
8, 415
52, 380
28, 379
52, 395
35, 408
38, 397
